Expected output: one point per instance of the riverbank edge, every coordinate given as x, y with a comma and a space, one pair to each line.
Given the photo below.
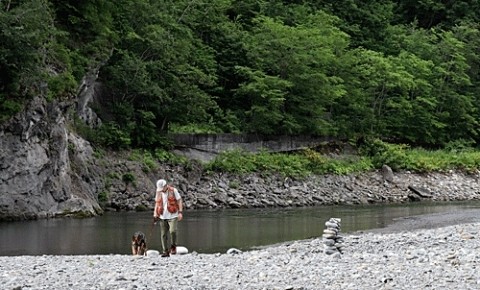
222, 191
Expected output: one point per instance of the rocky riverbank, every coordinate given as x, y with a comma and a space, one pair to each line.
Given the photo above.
439, 258
256, 191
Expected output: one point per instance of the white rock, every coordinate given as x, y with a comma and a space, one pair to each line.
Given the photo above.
234, 251
181, 250
152, 253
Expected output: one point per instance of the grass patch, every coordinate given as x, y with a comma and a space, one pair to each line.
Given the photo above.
370, 157
103, 196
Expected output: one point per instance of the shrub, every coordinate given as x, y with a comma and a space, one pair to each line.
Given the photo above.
102, 196
128, 178
393, 155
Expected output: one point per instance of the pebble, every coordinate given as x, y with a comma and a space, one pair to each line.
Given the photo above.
440, 258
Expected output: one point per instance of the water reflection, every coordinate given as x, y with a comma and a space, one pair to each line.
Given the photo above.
201, 231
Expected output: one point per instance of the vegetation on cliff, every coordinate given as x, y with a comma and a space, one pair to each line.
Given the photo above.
405, 71
339, 159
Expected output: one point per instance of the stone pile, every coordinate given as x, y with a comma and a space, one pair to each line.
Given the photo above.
331, 239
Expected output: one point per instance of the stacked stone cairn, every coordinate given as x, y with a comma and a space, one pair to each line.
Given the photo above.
333, 242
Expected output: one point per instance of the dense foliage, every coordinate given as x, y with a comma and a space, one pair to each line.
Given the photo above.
403, 70
370, 155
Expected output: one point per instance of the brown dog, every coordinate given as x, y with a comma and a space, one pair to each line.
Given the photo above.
139, 244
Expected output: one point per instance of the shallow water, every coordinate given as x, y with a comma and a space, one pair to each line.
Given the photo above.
203, 231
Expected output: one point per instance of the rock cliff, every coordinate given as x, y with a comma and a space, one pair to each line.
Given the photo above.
45, 169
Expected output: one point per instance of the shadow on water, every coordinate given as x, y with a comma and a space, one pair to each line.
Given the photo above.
203, 231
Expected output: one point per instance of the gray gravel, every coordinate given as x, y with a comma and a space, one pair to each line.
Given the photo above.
438, 258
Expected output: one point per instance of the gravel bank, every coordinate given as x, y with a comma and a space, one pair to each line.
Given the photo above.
438, 258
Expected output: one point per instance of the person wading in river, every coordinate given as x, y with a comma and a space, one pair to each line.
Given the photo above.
168, 212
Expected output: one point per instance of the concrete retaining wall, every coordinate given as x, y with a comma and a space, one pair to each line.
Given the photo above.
216, 143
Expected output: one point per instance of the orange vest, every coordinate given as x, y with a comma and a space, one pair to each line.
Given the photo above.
172, 203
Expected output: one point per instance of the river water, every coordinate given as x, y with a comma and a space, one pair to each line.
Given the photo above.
203, 231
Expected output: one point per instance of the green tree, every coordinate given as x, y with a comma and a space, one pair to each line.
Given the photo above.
305, 56
427, 98
429, 14
27, 52
373, 82
159, 67
365, 21
451, 83
267, 97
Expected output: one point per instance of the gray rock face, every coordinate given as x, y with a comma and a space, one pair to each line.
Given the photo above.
37, 154
85, 95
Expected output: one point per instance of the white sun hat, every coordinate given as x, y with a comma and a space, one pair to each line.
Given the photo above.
161, 184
